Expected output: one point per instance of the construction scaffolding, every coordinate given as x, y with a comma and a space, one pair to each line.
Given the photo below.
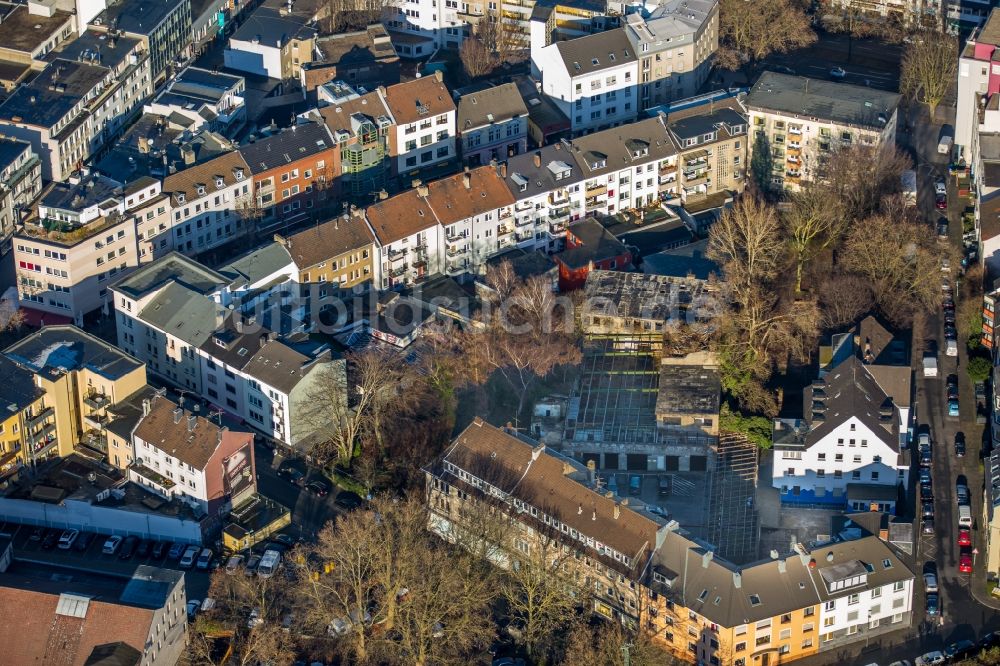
733, 521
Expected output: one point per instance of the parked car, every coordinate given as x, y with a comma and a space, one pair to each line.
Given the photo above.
50, 539
931, 658
925, 476
269, 563
960, 444
189, 557
964, 537
84, 540
347, 500
293, 475
926, 491
952, 392
159, 550
252, 563
941, 202
927, 509
204, 559
319, 488
234, 564
68, 538
942, 229
925, 457
960, 649
933, 608
989, 640
37, 534
664, 486
284, 539
142, 550
930, 582
927, 525
111, 545
255, 619
635, 485
980, 391
965, 562
193, 606
940, 189
176, 551
924, 439
837, 73
953, 408
128, 547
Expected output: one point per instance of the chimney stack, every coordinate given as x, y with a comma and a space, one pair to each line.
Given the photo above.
537, 451
782, 567
618, 510
145, 407
383, 195
538, 159
178, 413
737, 580
192, 420
467, 179
706, 558
503, 170
239, 324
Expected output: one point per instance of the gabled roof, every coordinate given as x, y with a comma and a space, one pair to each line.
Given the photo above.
211, 176
493, 105
183, 313
595, 243
345, 117
595, 53
278, 365
287, 146
327, 240
614, 149
529, 175
184, 435
452, 201
420, 99
400, 216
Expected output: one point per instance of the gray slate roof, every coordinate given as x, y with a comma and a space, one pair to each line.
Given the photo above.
287, 146
522, 172
842, 103
183, 313
257, 265
490, 106
597, 52
173, 267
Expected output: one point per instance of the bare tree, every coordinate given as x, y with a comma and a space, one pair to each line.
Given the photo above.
851, 20
605, 645
501, 36
928, 69
340, 16
751, 31
857, 193
843, 299
809, 221
746, 242
477, 59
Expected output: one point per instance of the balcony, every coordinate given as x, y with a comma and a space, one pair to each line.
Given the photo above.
524, 238
668, 178
396, 255
596, 191
97, 401
456, 267
794, 146
792, 159
556, 229
399, 271
504, 214
559, 198
153, 477
419, 259
524, 221
792, 129
97, 421
505, 230
703, 179
40, 417
457, 251
667, 169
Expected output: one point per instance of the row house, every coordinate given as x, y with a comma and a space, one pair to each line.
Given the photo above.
82, 236
80, 102
184, 455
20, 184
338, 254
650, 574
978, 77
712, 151
424, 114
162, 26
25, 402
211, 204
201, 99
593, 79
409, 241
292, 171
676, 44
798, 121
262, 286
173, 315
272, 42
851, 449
28, 32
492, 124
76, 379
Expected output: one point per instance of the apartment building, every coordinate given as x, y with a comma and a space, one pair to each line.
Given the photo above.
713, 149
651, 574
991, 503
589, 246
546, 185
82, 236
798, 121
365, 133
978, 78
492, 124
138, 620
205, 99
851, 449
163, 27
262, 286
80, 102
593, 80
409, 241
20, 185
561, 20
211, 204
80, 377
28, 32
911, 13
272, 42
338, 254
676, 44
173, 315
425, 124
360, 58
24, 400
185, 455
291, 171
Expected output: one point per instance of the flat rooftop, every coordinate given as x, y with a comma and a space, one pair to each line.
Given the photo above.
140, 17
173, 267
53, 93
53, 350
841, 103
20, 30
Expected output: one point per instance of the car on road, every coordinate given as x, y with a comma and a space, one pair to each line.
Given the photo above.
941, 202
960, 649
348, 501
952, 392
159, 550
838, 73
68, 538
940, 188
931, 658
927, 509
960, 444
927, 525
925, 476
128, 547
953, 408
964, 537
142, 550
926, 492
930, 582
924, 439
933, 608
176, 551
942, 228
925, 457
318, 488
111, 545
965, 562
980, 391
293, 476
84, 540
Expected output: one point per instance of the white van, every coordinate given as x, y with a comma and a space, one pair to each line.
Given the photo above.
964, 516
189, 557
269, 564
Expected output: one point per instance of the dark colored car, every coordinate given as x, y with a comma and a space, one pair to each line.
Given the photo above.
176, 550
50, 539
925, 457
927, 509
159, 550
142, 550
990, 640
960, 649
83, 541
128, 547
941, 202
942, 228
284, 539
318, 488
933, 607
37, 534
348, 501
927, 525
952, 392
293, 476
960, 444
926, 492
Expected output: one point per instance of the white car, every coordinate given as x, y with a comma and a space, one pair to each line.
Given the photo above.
930, 659
930, 582
67, 539
255, 619
940, 189
111, 545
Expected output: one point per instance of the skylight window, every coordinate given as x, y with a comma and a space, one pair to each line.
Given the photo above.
595, 61
754, 600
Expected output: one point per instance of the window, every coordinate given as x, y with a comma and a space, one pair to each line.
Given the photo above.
853, 599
